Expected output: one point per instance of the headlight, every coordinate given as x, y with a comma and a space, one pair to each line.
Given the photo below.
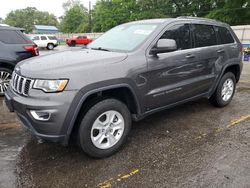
50, 86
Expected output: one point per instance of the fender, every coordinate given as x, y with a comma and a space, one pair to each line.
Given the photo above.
9, 63
81, 97
220, 76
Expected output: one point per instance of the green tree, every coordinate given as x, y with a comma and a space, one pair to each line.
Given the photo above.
26, 18
109, 13
234, 12
1, 20
75, 19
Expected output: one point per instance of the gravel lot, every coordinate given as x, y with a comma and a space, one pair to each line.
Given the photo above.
193, 145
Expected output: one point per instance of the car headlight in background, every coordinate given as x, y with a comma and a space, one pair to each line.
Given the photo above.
50, 86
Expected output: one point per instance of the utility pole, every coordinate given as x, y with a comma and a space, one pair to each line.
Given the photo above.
90, 17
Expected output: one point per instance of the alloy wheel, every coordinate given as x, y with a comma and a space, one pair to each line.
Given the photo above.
227, 89
5, 78
107, 129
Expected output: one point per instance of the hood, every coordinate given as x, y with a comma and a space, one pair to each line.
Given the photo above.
62, 64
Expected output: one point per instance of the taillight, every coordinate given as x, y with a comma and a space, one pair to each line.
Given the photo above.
33, 49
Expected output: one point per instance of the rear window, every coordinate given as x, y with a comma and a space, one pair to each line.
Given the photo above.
12, 37
225, 36
52, 37
204, 35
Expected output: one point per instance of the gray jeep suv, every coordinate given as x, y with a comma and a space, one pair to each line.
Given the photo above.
132, 71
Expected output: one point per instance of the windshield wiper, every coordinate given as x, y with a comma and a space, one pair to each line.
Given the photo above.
100, 48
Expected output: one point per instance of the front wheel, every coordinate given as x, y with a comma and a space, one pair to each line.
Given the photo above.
225, 91
73, 43
104, 128
5, 77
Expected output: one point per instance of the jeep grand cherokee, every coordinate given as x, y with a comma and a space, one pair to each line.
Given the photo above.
135, 69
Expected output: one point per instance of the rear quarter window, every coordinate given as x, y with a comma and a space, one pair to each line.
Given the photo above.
13, 37
204, 35
224, 35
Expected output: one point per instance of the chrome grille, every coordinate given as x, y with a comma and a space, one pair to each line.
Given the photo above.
20, 84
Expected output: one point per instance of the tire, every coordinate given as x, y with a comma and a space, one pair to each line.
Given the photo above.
88, 133
219, 98
50, 46
5, 77
73, 43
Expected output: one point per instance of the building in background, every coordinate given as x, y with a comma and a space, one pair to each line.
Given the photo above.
45, 29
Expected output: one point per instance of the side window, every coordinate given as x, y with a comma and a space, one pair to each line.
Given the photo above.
225, 36
204, 35
181, 34
43, 38
36, 38
52, 37
11, 37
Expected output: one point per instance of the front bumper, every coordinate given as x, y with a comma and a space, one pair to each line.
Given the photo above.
56, 103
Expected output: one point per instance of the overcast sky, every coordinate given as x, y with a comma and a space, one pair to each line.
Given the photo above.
52, 6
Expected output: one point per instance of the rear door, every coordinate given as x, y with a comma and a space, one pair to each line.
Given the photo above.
228, 45
210, 54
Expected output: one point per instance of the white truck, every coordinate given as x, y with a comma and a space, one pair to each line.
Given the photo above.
45, 41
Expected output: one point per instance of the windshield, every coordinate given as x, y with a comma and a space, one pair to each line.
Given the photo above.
124, 37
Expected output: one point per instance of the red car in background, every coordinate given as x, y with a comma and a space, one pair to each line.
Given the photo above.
79, 40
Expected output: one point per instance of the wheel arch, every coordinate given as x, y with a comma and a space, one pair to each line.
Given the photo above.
235, 68
84, 101
8, 65
50, 43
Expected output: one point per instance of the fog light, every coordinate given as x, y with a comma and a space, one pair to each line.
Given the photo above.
40, 115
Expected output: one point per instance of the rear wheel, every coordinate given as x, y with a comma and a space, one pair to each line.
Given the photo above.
104, 128
50, 46
225, 91
5, 77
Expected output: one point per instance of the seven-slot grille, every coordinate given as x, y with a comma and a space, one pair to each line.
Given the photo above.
20, 84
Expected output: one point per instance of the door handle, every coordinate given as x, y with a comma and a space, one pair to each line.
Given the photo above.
221, 51
235, 47
189, 56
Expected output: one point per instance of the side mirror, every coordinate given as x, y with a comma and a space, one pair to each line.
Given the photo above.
163, 46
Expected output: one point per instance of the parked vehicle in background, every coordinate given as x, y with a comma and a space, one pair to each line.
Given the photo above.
79, 40
14, 47
4, 25
128, 73
45, 41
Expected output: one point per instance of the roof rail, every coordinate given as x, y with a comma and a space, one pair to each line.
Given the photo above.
197, 18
